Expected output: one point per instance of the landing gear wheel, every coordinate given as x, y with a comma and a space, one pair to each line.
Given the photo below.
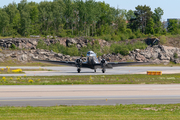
94, 70
79, 70
103, 71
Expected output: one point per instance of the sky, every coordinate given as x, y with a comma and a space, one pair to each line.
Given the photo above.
171, 8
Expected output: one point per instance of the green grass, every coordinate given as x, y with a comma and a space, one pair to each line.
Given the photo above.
170, 64
17, 63
10, 70
125, 112
96, 79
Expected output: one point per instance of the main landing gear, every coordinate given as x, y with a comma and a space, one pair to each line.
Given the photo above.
79, 70
103, 70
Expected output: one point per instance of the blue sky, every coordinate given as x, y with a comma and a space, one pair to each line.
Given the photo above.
171, 7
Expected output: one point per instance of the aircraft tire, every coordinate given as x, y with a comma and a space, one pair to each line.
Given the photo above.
79, 70
103, 71
95, 70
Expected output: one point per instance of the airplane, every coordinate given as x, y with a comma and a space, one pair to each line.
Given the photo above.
92, 62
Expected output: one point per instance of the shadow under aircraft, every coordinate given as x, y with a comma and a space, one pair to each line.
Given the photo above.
92, 62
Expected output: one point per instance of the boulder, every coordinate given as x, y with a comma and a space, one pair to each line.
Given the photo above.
163, 56
22, 58
70, 41
154, 55
140, 57
1, 55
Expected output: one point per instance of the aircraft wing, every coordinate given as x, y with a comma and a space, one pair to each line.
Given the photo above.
116, 64
68, 63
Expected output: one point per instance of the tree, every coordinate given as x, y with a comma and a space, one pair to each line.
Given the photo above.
150, 27
143, 14
130, 15
57, 10
158, 12
173, 26
157, 15
4, 22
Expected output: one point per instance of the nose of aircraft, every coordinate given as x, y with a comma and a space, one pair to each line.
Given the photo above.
90, 53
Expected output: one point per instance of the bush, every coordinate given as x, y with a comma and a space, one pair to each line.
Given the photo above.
175, 55
138, 34
132, 36
163, 39
115, 38
30, 81
123, 37
119, 48
42, 45
106, 50
13, 46
106, 37
124, 49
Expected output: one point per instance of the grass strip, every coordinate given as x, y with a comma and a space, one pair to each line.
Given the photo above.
10, 62
96, 79
19, 71
126, 112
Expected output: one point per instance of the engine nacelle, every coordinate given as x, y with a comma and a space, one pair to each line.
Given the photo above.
103, 65
103, 61
78, 62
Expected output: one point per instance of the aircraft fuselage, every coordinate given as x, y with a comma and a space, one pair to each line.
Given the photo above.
91, 60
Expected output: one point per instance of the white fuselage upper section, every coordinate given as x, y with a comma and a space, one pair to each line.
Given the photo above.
91, 58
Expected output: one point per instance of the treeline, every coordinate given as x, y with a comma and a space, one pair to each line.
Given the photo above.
70, 18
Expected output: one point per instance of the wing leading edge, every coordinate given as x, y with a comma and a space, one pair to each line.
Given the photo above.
116, 64
68, 63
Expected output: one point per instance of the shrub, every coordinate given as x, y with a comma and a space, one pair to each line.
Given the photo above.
41, 44
132, 36
106, 37
17, 71
119, 48
3, 78
163, 39
13, 46
128, 31
115, 38
175, 55
138, 34
123, 37
105, 49
125, 48
30, 81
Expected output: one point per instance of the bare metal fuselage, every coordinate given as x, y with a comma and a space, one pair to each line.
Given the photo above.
91, 60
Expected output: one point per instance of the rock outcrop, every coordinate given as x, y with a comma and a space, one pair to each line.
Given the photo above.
156, 54
31, 43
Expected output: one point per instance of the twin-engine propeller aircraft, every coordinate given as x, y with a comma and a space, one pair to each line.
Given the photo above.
92, 62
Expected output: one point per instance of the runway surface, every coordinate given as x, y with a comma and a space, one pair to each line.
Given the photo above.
86, 71
51, 95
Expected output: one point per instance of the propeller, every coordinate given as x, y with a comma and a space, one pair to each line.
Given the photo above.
79, 62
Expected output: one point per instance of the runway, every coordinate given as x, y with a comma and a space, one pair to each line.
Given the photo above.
86, 71
52, 95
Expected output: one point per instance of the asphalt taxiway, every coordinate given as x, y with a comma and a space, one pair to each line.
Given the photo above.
51, 95
86, 71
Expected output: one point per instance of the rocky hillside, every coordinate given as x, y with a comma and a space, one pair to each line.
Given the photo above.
27, 50
31, 43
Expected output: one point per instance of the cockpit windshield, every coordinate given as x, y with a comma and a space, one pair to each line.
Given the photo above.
91, 53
